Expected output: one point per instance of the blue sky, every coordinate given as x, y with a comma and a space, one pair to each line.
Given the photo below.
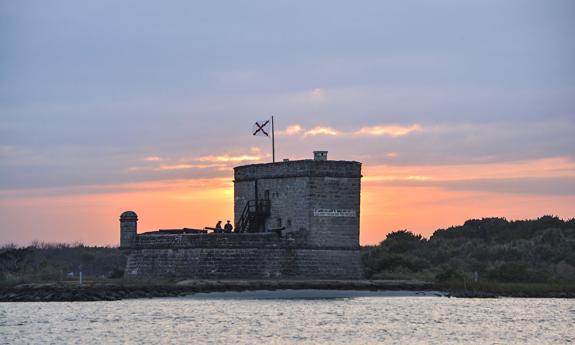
91, 90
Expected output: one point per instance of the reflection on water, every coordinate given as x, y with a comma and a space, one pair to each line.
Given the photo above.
291, 317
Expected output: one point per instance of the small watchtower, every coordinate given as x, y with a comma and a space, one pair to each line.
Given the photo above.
128, 229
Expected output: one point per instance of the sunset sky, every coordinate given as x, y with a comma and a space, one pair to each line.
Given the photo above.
457, 109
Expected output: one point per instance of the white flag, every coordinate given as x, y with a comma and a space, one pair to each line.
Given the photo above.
262, 128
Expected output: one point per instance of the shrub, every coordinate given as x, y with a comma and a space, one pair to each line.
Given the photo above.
447, 274
402, 241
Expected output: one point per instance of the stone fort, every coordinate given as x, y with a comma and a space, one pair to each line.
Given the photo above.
293, 220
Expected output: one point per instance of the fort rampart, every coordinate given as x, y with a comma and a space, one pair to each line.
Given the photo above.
293, 220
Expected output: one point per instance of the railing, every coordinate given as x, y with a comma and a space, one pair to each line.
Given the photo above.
254, 214
242, 225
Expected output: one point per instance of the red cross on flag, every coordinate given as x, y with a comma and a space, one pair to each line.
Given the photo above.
262, 128
266, 128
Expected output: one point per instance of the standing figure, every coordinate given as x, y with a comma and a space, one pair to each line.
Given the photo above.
228, 228
218, 228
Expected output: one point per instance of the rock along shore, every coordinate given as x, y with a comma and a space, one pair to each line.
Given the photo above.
118, 291
101, 291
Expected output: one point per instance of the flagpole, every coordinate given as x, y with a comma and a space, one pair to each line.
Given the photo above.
273, 142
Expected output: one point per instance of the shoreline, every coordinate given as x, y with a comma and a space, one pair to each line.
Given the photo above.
315, 294
113, 291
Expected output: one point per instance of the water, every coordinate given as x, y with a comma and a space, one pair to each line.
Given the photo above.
286, 317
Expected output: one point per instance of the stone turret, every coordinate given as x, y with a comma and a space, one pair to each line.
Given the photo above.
128, 229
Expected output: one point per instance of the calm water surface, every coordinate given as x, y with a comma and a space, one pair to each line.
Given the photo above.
287, 317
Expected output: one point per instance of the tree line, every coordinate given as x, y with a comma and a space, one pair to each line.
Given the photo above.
489, 249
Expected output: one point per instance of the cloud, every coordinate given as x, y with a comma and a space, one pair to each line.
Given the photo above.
543, 186
321, 131
291, 130
204, 162
185, 166
390, 130
228, 158
539, 186
168, 167
317, 93
553, 176
380, 130
549, 167
396, 178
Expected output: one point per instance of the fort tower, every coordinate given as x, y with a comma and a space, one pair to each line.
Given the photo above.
318, 196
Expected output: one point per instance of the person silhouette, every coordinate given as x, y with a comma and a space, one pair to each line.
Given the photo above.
218, 228
228, 228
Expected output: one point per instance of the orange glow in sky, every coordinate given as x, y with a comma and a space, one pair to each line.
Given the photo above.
418, 198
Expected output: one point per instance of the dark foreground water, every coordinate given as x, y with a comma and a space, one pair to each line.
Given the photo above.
285, 317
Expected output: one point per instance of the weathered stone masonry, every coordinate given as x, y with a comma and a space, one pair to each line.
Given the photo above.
309, 228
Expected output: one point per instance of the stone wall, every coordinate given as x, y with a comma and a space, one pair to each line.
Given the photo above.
300, 168
224, 240
334, 212
288, 197
322, 197
244, 263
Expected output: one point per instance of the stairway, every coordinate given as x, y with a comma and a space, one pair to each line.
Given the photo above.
253, 216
